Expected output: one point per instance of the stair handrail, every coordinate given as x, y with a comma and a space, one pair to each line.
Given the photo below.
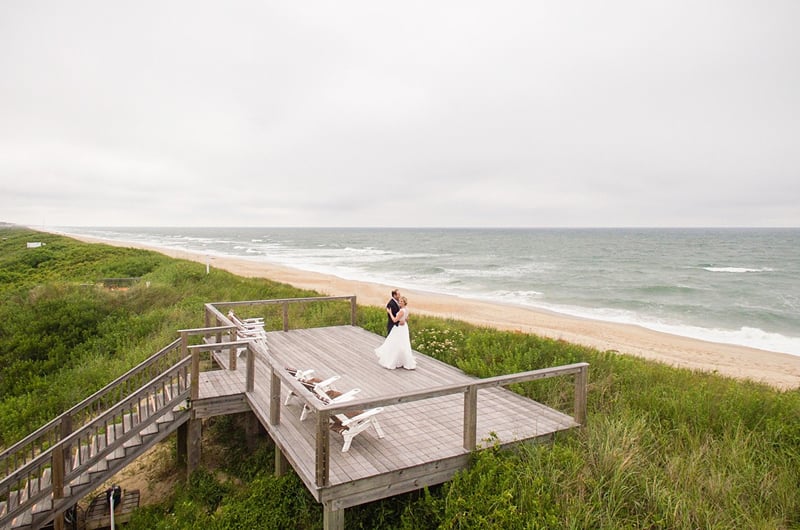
35, 466
59, 427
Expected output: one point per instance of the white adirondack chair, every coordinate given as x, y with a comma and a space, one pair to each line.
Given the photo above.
249, 328
329, 397
304, 376
350, 424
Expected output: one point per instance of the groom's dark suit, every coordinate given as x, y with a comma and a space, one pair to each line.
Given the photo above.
394, 307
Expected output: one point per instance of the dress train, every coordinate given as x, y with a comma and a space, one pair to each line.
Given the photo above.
395, 352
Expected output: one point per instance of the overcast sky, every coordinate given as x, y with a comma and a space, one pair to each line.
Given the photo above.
370, 113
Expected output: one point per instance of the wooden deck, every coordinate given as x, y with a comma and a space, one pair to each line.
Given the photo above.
424, 443
433, 417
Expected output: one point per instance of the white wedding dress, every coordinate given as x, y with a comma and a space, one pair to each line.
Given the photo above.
395, 352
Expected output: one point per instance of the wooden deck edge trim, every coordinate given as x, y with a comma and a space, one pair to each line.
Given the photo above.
220, 406
393, 483
379, 487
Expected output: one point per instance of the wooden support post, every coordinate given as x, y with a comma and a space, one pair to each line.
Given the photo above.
332, 519
323, 448
58, 467
251, 369
182, 443
66, 427
352, 310
232, 352
195, 382
470, 417
286, 316
219, 333
581, 384
193, 444
281, 464
274, 398
252, 430
57, 478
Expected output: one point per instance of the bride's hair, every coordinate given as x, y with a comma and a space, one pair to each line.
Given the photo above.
404, 299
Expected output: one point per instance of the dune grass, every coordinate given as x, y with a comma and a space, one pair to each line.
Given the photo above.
664, 447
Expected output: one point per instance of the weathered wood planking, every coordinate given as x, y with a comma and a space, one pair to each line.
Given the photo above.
98, 515
424, 442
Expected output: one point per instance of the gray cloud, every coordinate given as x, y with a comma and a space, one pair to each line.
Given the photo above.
313, 113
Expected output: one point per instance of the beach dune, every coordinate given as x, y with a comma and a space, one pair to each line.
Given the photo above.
779, 370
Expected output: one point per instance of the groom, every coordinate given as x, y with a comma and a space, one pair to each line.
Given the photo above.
391, 310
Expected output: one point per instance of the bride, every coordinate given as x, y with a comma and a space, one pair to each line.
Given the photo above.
396, 349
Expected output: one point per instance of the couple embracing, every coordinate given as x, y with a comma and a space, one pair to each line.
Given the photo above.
395, 352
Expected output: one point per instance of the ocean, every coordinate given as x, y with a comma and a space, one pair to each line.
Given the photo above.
733, 285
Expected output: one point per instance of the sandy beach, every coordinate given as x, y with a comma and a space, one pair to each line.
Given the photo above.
776, 369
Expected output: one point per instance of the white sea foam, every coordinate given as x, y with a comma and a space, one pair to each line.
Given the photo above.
745, 336
612, 275
499, 272
737, 269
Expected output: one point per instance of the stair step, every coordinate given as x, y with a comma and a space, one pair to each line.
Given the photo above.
46, 503
13, 499
22, 521
100, 465
117, 453
80, 480
129, 420
98, 444
133, 441
43, 505
80, 454
25, 518
150, 429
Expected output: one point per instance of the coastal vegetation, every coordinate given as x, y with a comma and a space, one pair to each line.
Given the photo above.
663, 448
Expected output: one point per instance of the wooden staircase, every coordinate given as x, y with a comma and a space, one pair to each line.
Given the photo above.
52, 469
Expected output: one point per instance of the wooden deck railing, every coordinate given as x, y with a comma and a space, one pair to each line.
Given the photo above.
187, 349
60, 427
280, 376
215, 317
197, 349
55, 474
